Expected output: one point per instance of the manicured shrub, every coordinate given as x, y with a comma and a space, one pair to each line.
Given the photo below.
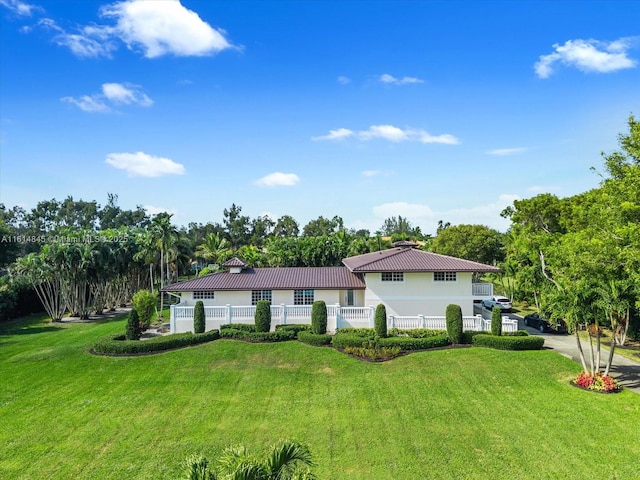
263, 316
198, 317
316, 339
119, 345
343, 340
409, 343
496, 321
380, 320
453, 315
296, 328
363, 332
248, 336
517, 333
416, 332
134, 329
467, 336
145, 303
319, 317
246, 327
508, 343
374, 354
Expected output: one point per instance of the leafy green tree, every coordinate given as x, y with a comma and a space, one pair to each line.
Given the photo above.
323, 226
319, 317
380, 320
199, 320
286, 226
263, 316
453, 316
477, 243
134, 329
496, 321
146, 304
236, 226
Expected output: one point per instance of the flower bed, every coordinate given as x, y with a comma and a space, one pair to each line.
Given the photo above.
597, 383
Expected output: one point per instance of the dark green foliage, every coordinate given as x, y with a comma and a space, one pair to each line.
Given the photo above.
199, 320
467, 336
248, 336
263, 316
134, 329
145, 303
453, 316
296, 328
118, 345
319, 317
409, 343
509, 343
380, 320
342, 340
416, 333
517, 333
374, 354
17, 298
496, 321
314, 338
362, 332
245, 327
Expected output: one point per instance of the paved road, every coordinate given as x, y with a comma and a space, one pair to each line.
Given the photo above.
626, 371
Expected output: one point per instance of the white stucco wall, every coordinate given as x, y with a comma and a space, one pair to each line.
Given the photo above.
419, 294
243, 297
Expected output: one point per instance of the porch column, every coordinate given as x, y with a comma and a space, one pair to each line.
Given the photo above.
283, 315
228, 313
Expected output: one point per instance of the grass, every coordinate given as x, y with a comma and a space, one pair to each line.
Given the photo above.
467, 413
631, 350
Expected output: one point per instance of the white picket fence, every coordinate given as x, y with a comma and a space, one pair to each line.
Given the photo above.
181, 319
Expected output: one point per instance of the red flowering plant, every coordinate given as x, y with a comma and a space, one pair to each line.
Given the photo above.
597, 382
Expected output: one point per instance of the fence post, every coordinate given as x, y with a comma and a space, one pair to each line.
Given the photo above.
338, 316
372, 312
478, 322
392, 321
283, 315
228, 313
422, 321
172, 319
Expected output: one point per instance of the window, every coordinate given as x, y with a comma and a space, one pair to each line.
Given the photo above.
204, 295
444, 276
303, 297
350, 300
393, 276
257, 295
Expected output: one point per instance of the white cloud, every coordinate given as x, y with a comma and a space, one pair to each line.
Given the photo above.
141, 164
278, 179
387, 132
344, 80
116, 93
371, 173
126, 93
161, 28
20, 8
391, 80
337, 134
91, 104
153, 210
90, 42
588, 56
506, 151
412, 211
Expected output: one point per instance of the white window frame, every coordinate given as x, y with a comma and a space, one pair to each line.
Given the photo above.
445, 276
204, 295
392, 277
350, 298
303, 297
257, 295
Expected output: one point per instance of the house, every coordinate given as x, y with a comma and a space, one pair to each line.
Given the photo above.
408, 281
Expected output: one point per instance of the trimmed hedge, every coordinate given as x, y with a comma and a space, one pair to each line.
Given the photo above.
294, 327
248, 336
199, 319
134, 329
409, 343
517, 333
263, 316
363, 332
453, 315
508, 342
380, 320
416, 333
467, 336
496, 321
319, 317
245, 327
316, 339
342, 340
118, 345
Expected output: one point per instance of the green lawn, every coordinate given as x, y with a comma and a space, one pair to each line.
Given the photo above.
466, 413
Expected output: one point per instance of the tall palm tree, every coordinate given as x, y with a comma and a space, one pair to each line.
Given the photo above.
214, 248
286, 460
164, 234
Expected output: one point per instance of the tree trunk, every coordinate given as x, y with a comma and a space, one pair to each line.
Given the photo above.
598, 349
610, 360
593, 359
582, 359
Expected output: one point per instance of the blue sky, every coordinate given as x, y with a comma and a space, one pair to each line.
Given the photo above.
366, 110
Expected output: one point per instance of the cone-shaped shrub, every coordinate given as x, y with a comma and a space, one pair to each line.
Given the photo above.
496, 321
198, 317
454, 323
263, 316
133, 326
380, 321
319, 317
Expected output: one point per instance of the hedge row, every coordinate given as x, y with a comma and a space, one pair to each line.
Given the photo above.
316, 339
249, 336
245, 327
363, 332
342, 340
509, 342
416, 332
117, 345
296, 328
409, 343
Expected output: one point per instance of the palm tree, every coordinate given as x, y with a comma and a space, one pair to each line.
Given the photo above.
164, 234
213, 248
286, 460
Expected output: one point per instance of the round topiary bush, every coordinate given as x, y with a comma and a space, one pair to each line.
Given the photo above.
380, 321
263, 316
319, 317
134, 329
453, 316
199, 320
496, 321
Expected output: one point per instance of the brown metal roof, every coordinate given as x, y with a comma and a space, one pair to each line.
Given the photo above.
285, 278
412, 260
234, 262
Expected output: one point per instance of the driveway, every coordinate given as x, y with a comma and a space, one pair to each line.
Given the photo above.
626, 371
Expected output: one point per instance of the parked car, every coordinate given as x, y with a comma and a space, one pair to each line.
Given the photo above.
534, 320
497, 301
